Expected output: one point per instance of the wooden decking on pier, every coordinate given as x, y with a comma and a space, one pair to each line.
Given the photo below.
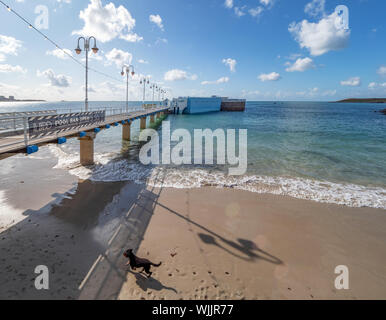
13, 144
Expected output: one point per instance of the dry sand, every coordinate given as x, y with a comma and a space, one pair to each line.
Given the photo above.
231, 244
213, 243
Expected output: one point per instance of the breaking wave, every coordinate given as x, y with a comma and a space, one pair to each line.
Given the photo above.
110, 167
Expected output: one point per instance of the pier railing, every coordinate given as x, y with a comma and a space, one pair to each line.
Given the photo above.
14, 126
11, 121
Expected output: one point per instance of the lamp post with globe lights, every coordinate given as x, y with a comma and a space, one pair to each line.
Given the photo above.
86, 48
126, 69
144, 81
159, 94
162, 96
154, 87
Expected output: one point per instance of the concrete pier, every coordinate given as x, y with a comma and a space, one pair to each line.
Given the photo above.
126, 131
87, 149
20, 141
152, 118
143, 123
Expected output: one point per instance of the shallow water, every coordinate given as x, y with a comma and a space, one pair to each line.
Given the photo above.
326, 152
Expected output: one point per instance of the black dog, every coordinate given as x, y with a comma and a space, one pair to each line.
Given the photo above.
136, 262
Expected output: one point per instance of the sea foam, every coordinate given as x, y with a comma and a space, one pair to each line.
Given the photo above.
109, 168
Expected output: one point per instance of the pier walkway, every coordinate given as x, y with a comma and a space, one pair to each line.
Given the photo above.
26, 139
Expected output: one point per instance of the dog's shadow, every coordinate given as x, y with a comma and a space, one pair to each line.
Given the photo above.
146, 283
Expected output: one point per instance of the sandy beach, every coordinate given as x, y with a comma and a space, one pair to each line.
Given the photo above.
213, 243
238, 149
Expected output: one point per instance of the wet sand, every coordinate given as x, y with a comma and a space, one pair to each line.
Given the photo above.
213, 243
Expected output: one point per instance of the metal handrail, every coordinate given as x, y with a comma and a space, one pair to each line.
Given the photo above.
12, 121
26, 113
23, 132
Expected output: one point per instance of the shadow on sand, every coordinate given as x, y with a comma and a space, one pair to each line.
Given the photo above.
151, 283
81, 236
80, 239
243, 246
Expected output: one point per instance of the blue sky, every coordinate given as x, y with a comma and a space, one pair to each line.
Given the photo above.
256, 49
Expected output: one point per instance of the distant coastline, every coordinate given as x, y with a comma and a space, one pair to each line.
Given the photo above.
27, 100
369, 100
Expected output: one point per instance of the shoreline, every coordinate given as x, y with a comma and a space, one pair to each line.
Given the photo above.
363, 100
321, 191
23, 100
240, 245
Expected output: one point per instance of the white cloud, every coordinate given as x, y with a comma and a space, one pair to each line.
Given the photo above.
7, 68
9, 87
119, 57
223, 80
294, 56
108, 22
177, 75
156, 19
329, 93
161, 40
254, 12
315, 8
59, 80
131, 37
273, 76
382, 71
143, 61
218, 81
321, 37
301, 65
312, 92
228, 4
351, 82
9, 45
60, 54
373, 85
231, 63
266, 2
240, 11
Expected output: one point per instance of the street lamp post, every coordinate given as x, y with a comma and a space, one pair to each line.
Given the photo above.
162, 95
126, 69
78, 50
159, 95
154, 87
144, 81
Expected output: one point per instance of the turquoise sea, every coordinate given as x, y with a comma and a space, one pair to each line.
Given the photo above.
328, 152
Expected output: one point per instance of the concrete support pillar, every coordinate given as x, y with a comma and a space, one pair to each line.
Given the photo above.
158, 115
87, 149
126, 131
152, 118
143, 123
